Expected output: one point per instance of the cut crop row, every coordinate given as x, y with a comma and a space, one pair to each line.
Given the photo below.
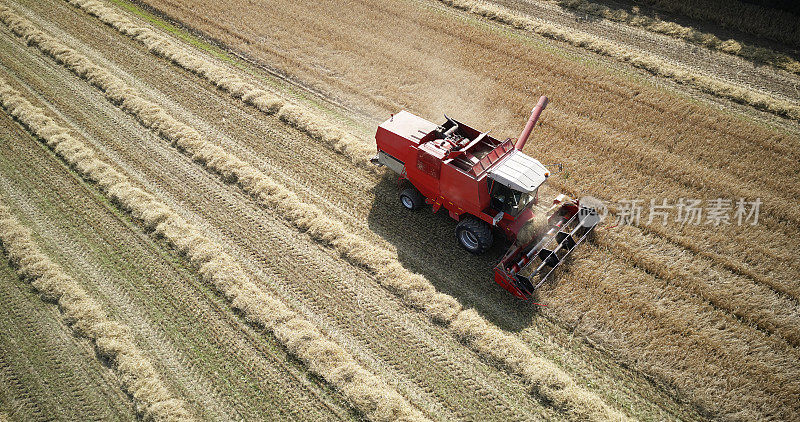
420, 358
111, 339
368, 393
548, 379
652, 64
45, 370
676, 30
749, 17
163, 47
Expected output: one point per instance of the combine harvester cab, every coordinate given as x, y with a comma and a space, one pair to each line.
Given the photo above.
488, 186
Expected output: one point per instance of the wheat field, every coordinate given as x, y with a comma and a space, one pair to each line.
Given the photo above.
188, 192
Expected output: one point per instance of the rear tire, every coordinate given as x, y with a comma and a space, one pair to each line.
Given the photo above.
474, 235
412, 199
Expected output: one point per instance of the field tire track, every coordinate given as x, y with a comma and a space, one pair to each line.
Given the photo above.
163, 48
87, 319
71, 387
316, 126
328, 359
504, 409
345, 295
16, 392
167, 49
188, 370
553, 383
734, 311
394, 338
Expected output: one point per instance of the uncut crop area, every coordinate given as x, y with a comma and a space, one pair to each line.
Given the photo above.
191, 228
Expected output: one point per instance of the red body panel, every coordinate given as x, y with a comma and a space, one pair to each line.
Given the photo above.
444, 178
501, 278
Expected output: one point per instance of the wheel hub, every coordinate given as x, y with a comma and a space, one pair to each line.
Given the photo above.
469, 240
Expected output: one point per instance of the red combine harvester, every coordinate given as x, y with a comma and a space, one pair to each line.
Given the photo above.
488, 186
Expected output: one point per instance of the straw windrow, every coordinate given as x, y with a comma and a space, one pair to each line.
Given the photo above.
487, 339
112, 339
356, 150
742, 15
675, 30
650, 63
372, 396
313, 124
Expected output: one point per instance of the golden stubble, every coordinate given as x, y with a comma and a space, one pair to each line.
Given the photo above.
368, 393
489, 340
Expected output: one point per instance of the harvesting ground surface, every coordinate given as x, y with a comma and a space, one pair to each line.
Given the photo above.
193, 178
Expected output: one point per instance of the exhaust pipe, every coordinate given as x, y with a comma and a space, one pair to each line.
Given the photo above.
523, 137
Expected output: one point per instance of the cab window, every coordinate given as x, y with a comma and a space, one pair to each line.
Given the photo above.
508, 200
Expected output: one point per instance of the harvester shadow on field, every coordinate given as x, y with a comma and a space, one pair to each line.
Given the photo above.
427, 245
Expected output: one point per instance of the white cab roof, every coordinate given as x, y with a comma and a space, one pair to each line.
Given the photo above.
519, 172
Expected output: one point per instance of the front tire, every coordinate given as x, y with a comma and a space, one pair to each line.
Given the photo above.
474, 235
411, 199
